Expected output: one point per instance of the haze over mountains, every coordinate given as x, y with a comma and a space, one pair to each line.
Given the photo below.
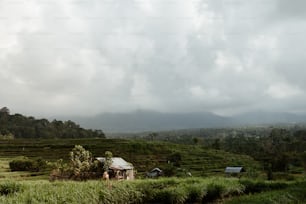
143, 120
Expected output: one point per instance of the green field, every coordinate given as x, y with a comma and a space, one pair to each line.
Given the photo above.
207, 185
143, 155
166, 190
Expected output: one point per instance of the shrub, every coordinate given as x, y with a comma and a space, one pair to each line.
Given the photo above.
8, 187
196, 192
26, 164
170, 195
252, 186
21, 164
214, 191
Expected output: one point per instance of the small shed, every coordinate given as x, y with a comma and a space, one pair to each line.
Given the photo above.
234, 170
120, 169
154, 173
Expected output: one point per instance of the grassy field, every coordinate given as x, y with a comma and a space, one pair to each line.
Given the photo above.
7, 174
139, 191
207, 185
166, 190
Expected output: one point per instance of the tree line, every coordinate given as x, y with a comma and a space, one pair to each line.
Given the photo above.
20, 126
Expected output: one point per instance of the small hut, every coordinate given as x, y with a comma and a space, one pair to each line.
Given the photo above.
119, 169
154, 173
236, 171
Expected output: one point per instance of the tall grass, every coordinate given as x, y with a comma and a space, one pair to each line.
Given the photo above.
163, 190
166, 190
277, 192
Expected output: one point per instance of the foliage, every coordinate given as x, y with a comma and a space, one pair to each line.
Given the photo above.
20, 126
80, 167
7, 136
294, 193
9, 187
175, 159
108, 160
80, 161
253, 186
164, 190
142, 154
26, 164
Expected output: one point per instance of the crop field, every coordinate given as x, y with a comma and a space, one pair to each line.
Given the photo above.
142, 154
208, 183
165, 190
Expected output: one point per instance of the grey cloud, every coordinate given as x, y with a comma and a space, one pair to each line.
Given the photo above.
78, 57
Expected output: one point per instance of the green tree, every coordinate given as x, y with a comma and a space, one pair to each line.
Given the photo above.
80, 162
195, 140
175, 159
108, 160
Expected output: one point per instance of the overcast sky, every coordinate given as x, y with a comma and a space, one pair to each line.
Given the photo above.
83, 57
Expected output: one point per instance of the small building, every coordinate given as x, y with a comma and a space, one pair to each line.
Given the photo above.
119, 169
154, 173
234, 170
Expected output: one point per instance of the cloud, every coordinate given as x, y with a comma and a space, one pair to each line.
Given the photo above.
85, 57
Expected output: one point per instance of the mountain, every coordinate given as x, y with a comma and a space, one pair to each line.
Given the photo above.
142, 120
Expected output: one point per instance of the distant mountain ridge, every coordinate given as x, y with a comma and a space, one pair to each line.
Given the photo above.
151, 121
143, 120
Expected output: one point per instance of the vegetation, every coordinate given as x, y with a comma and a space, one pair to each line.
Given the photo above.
171, 190
198, 160
80, 167
294, 193
26, 164
165, 190
279, 148
19, 126
30, 148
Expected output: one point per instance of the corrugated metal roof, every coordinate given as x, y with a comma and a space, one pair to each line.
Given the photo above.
156, 169
230, 169
118, 163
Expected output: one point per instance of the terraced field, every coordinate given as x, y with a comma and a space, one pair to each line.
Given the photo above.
144, 155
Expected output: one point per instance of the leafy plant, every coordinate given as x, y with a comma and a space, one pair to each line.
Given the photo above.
8, 187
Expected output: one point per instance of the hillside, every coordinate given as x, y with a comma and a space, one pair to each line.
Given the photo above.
20, 126
144, 155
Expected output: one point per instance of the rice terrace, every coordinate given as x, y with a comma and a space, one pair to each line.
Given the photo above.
191, 170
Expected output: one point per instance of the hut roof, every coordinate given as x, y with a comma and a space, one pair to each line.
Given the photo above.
230, 169
156, 169
117, 163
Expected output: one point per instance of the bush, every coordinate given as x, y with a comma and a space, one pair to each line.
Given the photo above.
259, 186
196, 192
214, 191
8, 187
26, 164
170, 195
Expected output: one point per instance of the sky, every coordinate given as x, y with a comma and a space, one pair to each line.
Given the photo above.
84, 57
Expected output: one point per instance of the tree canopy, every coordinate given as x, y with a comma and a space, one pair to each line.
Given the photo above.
20, 126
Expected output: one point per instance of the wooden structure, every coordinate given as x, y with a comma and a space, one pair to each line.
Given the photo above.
119, 169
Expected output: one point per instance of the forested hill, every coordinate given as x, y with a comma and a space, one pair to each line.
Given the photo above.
19, 126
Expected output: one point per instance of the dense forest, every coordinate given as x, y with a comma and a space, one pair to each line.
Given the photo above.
278, 147
19, 126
